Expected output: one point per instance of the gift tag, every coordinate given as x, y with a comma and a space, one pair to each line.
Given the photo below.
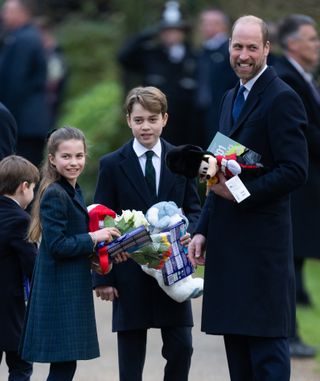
237, 188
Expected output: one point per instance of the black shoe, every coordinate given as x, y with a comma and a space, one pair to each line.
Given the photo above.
298, 349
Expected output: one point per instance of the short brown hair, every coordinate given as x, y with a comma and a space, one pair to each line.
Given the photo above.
149, 97
14, 170
250, 19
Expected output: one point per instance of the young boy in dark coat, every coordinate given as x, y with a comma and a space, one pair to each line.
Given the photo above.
138, 302
18, 178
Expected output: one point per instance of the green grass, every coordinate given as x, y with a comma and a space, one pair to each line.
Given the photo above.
309, 318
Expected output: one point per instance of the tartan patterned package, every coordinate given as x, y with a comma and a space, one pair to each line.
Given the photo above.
178, 265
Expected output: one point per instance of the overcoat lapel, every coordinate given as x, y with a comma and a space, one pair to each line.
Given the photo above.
167, 178
75, 194
251, 102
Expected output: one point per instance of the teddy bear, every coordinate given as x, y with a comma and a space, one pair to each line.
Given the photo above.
192, 161
161, 216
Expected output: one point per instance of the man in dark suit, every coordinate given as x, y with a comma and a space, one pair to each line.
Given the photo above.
249, 274
17, 257
214, 74
138, 302
23, 79
300, 41
8, 132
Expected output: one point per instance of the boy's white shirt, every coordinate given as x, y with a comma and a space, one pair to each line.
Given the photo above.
140, 151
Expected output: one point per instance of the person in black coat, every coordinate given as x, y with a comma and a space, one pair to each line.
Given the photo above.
17, 257
300, 41
8, 132
214, 74
249, 274
23, 79
138, 302
162, 57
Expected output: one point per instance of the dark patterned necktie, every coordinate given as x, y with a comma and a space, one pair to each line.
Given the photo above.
238, 104
150, 174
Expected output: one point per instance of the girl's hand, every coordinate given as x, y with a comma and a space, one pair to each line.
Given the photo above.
106, 234
185, 239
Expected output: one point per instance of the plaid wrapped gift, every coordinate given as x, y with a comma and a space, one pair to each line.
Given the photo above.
178, 265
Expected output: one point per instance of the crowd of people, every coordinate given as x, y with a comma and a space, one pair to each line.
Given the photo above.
268, 102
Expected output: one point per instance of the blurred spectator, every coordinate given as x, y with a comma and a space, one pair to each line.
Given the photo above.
56, 68
163, 58
215, 75
299, 39
8, 132
23, 79
274, 43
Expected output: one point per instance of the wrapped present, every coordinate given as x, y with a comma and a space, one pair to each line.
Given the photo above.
177, 266
129, 242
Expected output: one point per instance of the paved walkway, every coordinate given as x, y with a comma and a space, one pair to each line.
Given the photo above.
208, 361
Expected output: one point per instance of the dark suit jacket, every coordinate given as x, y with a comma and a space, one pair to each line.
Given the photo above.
249, 276
17, 257
121, 185
306, 200
8, 132
23, 81
60, 324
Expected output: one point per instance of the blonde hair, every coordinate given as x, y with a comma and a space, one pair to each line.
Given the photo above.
149, 97
49, 174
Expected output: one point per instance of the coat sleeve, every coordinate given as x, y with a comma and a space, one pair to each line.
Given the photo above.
286, 123
55, 211
105, 194
26, 251
8, 132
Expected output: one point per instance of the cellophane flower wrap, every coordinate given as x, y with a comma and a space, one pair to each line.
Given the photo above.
153, 254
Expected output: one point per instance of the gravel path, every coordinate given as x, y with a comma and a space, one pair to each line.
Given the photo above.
208, 362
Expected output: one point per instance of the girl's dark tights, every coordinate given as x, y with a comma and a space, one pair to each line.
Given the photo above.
62, 371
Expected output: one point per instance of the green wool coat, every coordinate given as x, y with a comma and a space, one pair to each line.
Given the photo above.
60, 322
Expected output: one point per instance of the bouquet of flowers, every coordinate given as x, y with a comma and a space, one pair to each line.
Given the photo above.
151, 250
153, 253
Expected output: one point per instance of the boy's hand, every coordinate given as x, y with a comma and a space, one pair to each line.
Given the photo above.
196, 250
185, 239
106, 293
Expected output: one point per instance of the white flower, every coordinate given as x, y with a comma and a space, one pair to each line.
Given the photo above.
139, 219
127, 215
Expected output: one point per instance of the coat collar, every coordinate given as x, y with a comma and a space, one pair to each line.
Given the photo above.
252, 100
74, 193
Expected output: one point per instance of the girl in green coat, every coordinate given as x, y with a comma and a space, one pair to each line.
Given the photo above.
60, 326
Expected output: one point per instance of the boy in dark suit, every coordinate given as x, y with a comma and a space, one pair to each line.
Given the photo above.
18, 178
124, 183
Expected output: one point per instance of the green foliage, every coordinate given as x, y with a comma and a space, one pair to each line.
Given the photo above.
309, 318
98, 113
90, 48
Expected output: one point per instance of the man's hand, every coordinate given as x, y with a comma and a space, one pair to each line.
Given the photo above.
221, 189
196, 250
106, 293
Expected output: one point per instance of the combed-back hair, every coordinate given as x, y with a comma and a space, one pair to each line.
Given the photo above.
49, 173
289, 27
149, 97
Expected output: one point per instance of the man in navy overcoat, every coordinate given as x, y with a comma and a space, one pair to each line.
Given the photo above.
249, 292
299, 38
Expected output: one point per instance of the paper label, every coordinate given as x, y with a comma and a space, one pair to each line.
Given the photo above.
237, 188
